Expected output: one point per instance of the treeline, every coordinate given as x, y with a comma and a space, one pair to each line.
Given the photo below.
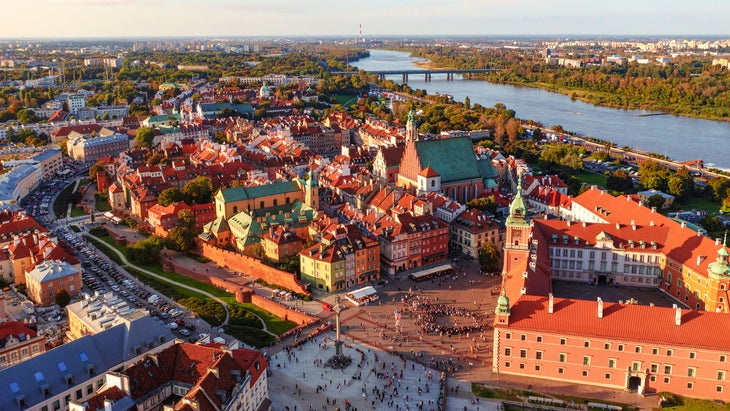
691, 87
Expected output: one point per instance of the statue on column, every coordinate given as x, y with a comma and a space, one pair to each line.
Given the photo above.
339, 360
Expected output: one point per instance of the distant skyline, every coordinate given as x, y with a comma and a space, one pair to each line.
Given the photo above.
147, 18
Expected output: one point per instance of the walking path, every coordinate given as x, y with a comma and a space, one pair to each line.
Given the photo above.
76, 188
167, 280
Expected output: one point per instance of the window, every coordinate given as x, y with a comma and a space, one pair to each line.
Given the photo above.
692, 355
563, 357
585, 373
89, 389
562, 341
607, 346
586, 344
523, 337
508, 336
607, 375
654, 368
721, 375
690, 385
718, 388
691, 372
637, 349
655, 351
538, 355
723, 358
508, 351
523, 353
537, 367
667, 369
586, 360
669, 353
539, 338
561, 370
522, 366
620, 347
507, 364
666, 380
635, 365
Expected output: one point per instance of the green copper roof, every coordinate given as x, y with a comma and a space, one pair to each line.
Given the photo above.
486, 169
248, 228
244, 193
452, 158
502, 304
518, 208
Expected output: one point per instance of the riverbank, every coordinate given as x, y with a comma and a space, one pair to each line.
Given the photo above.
597, 98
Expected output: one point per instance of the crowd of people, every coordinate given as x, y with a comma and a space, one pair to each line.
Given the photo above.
429, 313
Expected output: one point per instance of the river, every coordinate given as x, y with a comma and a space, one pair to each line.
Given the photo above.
679, 138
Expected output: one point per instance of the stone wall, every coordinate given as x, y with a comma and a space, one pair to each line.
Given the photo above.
252, 267
246, 295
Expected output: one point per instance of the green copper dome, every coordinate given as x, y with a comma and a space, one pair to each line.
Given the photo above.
502, 304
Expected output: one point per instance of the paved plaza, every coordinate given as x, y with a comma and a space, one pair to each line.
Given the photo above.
375, 380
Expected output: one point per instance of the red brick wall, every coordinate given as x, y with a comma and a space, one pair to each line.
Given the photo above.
244, 293
282, 311
253, 267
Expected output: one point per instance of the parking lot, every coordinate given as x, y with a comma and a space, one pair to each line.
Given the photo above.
101, 276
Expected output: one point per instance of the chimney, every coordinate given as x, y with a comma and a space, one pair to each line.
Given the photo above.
108, 404
214, 371
550, 303
653, 210
677, 315
618, 226
651, 223
683, 224
600, 308
717, 241
641, 203
633, 225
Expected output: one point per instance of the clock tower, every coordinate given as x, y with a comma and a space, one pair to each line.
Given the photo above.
517, 241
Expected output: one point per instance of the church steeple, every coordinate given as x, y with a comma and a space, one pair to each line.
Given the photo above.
411, 129
518, 208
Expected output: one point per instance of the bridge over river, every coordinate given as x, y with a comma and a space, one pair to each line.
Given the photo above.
426, 72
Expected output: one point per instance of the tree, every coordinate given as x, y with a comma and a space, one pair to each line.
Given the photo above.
619, 180
156, 157
656, 201
186, 219
62, 298
180, 239
97, 168
199, 190
484, 204
27, 116
467, 102
145, 251
489, 259
144, 137
717, 187
170, 195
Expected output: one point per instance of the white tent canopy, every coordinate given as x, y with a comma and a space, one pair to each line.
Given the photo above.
362, 295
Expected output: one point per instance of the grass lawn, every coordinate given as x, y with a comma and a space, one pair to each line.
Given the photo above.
697, 405
273, 323
60, 206
102, 206
698, 203
77, 212
498, 393
592, 178
344, 99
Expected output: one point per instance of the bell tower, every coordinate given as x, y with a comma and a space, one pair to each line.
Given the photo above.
411, 129
517, 241
311, 190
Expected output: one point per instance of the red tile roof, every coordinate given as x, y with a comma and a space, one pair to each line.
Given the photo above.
650, 324
96, 402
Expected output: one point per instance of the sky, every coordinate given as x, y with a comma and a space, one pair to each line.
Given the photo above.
155, 18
